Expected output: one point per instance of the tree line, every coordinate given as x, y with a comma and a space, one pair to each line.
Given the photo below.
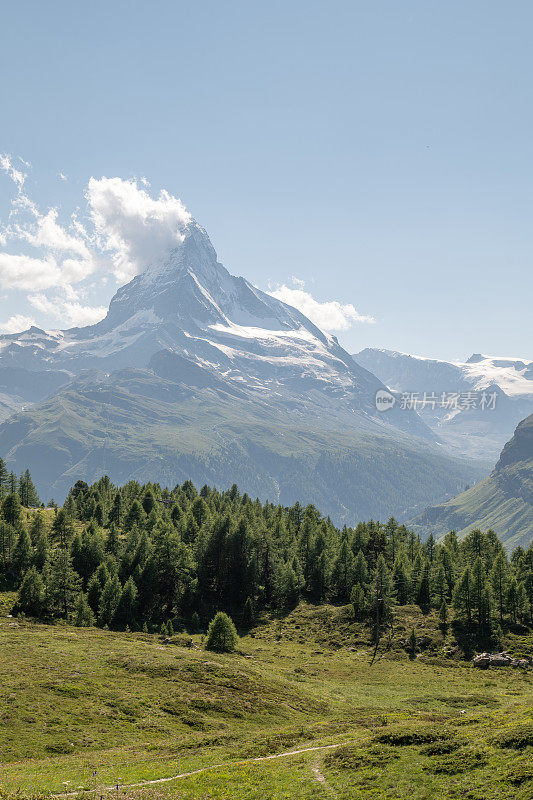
142, 557
22, 486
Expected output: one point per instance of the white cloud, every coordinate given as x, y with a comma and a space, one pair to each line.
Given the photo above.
25, 272
329, 316
137, 229
17, 176
17, 323
72, 311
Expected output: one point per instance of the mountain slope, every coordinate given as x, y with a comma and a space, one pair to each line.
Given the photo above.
503, 501
196, 373
465, 426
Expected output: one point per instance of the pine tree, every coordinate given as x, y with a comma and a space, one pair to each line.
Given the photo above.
221, 635
343, 573
382, 597
8, 537
126, 610
65, 583
83, 615
195, 623
22, 554
357, 599
499, 582
115, 515
112, 544
37, 527
4, 479
512, 599
11, 510
30, 594
400, 581
412, 643
248, 614
423, 598
443, 614
42, 551
109, 601
27, 491
462, 596
135, 516
63, 528
478, 590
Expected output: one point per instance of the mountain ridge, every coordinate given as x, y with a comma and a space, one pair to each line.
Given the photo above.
502, 502
196, 370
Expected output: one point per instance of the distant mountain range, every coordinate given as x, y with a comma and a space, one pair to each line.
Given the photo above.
473, 407
198, 374
503, 501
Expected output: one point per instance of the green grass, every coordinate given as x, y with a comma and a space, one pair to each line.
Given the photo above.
73, 701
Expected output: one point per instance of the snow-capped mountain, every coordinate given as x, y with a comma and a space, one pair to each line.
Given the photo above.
190, 305
479, 401
195, 373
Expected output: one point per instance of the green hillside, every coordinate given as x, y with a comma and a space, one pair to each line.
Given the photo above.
502, 502
137, 425
351, 675
297, 711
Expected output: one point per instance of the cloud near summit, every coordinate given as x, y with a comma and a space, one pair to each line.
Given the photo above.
329, 316
134, 227
120, 232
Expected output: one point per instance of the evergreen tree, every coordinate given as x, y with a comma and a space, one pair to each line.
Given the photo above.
65, 584
382, 599
443, 614
109, 601
499, 582
63, 528
115, 515
400, 582
221, 635
357, 599
462, 596
30, 594
248, 614
343, 573
126, 610
11, 510
8, 537
423, 594
42, 551
27, 492
83, 615
22, 554
195, 623
37, 527
4, 479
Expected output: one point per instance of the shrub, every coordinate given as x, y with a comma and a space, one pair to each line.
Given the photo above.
462, 760
519, 772
439, 748
518, 737
402, 736
351, 757
221, 635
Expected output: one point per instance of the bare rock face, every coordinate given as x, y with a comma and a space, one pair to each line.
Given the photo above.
484, 660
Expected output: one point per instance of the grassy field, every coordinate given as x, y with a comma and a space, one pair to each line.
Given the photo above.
87, 709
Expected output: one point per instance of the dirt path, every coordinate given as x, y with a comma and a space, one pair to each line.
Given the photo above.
318, 775
315, 769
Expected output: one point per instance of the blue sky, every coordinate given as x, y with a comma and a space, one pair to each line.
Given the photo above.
379, 153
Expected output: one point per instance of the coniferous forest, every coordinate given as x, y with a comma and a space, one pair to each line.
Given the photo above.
140, 557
